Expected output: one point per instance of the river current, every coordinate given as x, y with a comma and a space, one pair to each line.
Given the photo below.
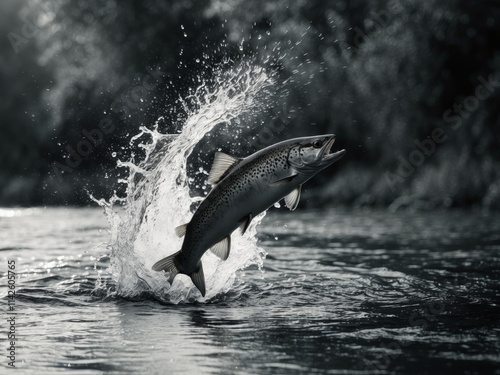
303, 292
339, 292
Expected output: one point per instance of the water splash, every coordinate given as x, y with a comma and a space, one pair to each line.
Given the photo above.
158, 197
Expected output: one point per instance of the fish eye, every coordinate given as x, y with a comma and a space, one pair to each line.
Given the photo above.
317, 144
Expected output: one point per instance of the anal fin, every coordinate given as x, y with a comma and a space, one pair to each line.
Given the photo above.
245, 222
198, 279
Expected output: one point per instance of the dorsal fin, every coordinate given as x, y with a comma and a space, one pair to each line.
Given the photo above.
222, 163
181, 230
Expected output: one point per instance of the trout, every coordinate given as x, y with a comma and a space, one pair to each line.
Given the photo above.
243, 188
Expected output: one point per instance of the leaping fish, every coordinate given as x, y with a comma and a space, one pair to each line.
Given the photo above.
245, 187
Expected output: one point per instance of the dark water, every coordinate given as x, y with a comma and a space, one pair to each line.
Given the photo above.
342, 292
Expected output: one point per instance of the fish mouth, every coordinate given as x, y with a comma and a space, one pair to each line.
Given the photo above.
326, 153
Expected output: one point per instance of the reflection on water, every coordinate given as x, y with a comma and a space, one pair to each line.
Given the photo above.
342, 292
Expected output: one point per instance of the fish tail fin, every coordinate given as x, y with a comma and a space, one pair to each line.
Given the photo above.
198, 279
168, 264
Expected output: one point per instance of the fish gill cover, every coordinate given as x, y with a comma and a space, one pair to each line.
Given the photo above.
158, 195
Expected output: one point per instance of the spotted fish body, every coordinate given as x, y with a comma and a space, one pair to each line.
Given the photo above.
245, 188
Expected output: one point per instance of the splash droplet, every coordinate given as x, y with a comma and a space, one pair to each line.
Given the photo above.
141, 232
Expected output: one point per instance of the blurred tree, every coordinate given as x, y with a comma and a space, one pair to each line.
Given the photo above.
381, 74
86, 63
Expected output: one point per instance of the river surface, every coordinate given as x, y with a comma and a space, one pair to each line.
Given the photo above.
339, 292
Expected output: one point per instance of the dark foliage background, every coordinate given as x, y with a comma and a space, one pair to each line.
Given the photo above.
382, 75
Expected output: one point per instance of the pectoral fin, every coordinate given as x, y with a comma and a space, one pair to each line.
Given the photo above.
283, 181
245, 222
222, 248
181, 230
292, 199
198, 279
222, 164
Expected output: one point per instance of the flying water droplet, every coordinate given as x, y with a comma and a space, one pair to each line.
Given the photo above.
159, 183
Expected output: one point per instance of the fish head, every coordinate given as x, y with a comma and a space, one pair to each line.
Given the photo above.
313, 153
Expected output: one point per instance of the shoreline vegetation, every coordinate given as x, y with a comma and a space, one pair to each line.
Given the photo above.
335, 191
410, 88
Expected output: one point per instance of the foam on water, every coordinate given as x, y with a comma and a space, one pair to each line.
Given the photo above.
158, 197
